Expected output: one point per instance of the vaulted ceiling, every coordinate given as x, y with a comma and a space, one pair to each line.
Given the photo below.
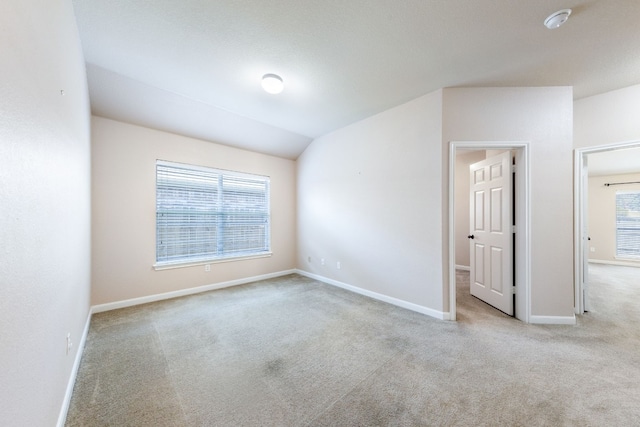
193, 67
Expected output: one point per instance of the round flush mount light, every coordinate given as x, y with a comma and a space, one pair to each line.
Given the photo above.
272, 83
556, 19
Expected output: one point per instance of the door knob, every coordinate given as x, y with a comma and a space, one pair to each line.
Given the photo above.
471, 236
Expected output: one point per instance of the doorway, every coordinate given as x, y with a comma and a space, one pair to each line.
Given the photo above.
522, 213
582, 243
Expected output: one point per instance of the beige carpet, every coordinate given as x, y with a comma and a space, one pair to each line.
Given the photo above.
296, 352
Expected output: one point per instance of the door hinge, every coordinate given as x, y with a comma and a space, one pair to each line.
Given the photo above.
513, 168
513, 229
513, 290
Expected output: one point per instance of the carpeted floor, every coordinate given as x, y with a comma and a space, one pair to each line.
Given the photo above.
295, 352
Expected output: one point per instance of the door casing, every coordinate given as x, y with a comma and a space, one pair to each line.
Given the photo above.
522, 245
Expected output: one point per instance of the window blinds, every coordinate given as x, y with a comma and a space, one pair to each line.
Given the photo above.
207, 214
628, 224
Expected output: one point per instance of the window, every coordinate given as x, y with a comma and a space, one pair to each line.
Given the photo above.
628, 224
205, 214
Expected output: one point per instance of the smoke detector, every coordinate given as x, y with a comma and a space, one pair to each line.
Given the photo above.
556, 19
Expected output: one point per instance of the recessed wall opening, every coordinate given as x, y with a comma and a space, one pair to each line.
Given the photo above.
595, 242
459, 214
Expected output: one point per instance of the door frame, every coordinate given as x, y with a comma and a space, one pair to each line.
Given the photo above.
522, 245
580, 217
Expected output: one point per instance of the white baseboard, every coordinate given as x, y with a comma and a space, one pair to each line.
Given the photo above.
380, 297
620, 263
62, 418
552, 320
463, 267
183, 292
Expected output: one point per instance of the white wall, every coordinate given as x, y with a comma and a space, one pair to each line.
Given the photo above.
123, 223
44, 207
374, 195
542, 116
369, 197
602, 215
607, 118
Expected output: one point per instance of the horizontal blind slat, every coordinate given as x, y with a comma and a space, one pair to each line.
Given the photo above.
628, 224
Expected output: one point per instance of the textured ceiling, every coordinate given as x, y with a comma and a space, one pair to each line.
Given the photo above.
194, 66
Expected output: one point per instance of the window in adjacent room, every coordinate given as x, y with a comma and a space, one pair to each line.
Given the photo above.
205, 214
628, 224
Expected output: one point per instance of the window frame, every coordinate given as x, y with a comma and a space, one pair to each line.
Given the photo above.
211, 258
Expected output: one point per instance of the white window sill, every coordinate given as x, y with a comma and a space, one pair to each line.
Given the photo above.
170, 266
632, 259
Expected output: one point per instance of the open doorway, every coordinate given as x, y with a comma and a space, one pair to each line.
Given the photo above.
521, 263
603, 175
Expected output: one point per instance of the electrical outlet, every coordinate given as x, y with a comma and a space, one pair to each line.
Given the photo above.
69, 343
207, 267
338, 265
322, 261
593, 249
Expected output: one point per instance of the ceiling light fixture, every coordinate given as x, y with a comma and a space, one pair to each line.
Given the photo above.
272, 83
556, 19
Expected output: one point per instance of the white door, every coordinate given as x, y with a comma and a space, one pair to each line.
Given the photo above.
491, 232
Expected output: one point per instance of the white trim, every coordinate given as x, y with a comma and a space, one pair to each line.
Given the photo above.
452, 231
552, 320
523, 231
463, 267
620, 263
380, 297
62, 418
183, 264
578, 230
579, 215
190, 291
